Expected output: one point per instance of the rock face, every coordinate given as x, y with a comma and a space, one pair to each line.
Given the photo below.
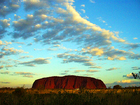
68, 82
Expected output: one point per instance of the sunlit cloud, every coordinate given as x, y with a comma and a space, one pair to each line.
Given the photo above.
130, 76
1, 67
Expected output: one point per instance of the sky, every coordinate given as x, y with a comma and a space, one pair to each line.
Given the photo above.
92, 38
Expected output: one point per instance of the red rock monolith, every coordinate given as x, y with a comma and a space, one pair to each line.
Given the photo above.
68, 82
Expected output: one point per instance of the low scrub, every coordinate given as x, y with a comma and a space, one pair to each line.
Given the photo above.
21, 97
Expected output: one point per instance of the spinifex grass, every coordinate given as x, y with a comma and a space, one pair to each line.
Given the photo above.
62, 97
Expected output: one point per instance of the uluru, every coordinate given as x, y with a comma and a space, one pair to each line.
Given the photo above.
68, 82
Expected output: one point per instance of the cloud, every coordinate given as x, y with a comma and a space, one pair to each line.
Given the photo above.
130, 76
9, 66
114, 68
92, 1
1, 43
16, 17
101, 20
77, 71
136, 68
25, 74
35, 4
22, 43
57, 45
86, 17
133, 46
36, 61
99, 67
124, 83
65, 72
27, 56
5, 82
92, 71
29, 44
52, 49
7, 7
83, 10
5, 23
4, 72
30, 65
93, 51
11, 51
1, 67
85, 60
135, 38
83, 5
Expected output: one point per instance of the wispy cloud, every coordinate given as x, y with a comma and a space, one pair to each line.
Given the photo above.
5, 82
4, 72
136, 68
114, 68
36, 61
135, 38
25, 74
92, 1
91, 71
83, 10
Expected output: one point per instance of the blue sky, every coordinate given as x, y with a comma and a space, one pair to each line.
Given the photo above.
94, 38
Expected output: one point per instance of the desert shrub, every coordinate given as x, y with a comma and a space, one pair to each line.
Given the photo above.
20, 91
117, 87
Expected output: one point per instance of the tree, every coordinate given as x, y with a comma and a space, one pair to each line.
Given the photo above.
136, 76
117, 87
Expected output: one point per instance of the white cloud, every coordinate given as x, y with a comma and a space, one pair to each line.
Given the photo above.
92, 1
83, 10
83, 5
